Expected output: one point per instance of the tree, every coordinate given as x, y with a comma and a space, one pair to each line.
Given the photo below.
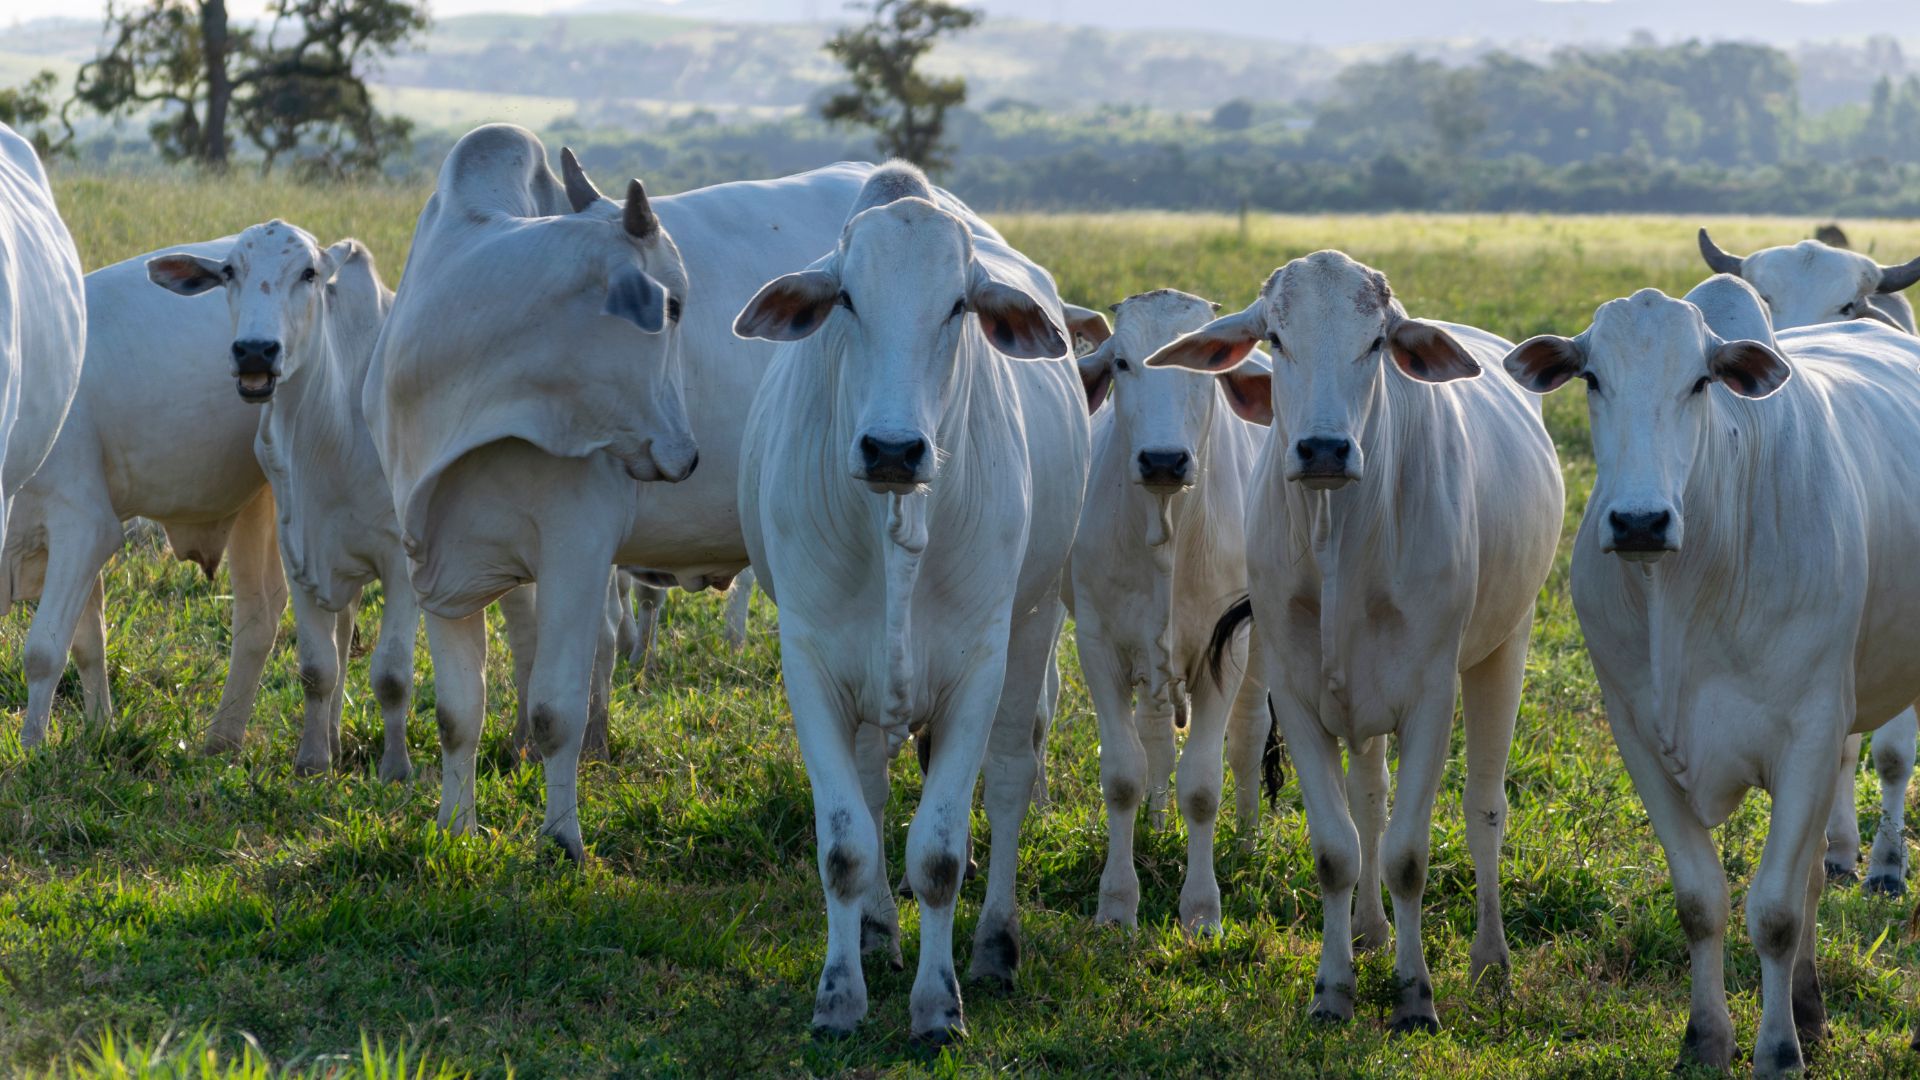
887, 91
1235, 115
296, 87
28, 109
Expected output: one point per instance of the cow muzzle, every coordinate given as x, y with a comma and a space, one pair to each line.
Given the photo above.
256, 369
1641, 535
1164, 471
893, 462
1324, 462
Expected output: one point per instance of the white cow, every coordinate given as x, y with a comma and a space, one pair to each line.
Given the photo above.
1735, 311
299, 325
156, 432
1759, 607
526, 387
1810, 284
909, 493
1160, 551
1404, 516
43, 319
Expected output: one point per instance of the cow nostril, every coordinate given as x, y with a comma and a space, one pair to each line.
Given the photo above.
1341, 450
1301, 448
916, 451
270, 350
239, 350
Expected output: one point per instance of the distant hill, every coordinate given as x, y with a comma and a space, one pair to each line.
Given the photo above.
1779, 22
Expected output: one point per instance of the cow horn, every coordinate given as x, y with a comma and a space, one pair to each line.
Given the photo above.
639, 218
1894, 279
1718, 261
580, 190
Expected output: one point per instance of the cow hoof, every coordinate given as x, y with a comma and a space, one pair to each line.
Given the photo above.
1888, 884
569, 846
217, 744
1840, 873
1327, 1017
1372, 935
1783, 1059
396, 773
996, 954
940, 1035
1489, 970
825, 1032
877, 934
1416, 1024
1713, 1050
311, 766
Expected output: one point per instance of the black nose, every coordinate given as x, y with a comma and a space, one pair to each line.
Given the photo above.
892, 461
1644, 530
255, 357
1322, 456
1158, 467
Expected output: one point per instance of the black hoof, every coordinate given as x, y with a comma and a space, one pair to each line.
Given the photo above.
573, 850
1327, 1018
1886, 885
830, 1033
1840, 873
1416, 1025
936, 1038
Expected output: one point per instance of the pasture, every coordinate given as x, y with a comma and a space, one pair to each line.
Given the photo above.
159, 906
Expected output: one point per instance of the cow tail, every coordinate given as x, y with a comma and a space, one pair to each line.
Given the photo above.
1223, 631
1273, 759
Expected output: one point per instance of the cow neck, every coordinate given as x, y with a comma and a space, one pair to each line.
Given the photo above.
903, 520
1352, 535
1705, 583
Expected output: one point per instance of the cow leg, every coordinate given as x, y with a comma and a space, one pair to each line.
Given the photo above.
1893, 752
517, 611
316, 632
739, 604
1809, 1006
1123, 772
848, 846
880, 912
1425, 734
627, 640
1489, 705
1843, 818
392, 666
259, 599
1367, 802
647, 602
1043, 715
600, 686
459, 651
90, 655
343, 651
1699, 891
1154, 722
938, 838
1247, 730
1776, 901
1200, 783
572, 582
1336, 850
75, 555
1011, 767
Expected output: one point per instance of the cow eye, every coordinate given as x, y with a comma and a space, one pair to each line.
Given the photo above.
1701, 384
846, 301
1377, 342
1120, 363
227, 271
1274, 340
673, 309
1593, 381
308, 274
1848, 309
959, 308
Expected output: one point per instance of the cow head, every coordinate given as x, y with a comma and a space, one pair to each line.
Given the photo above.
1332, 324
894, 301
628, 268
1809, 283
1649, 362
278, 281
1163, 415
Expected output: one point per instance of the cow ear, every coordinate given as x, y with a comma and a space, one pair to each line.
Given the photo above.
1541, 364
188, 275
1014, 322
1428, 353
1249, 390
1748, 368
789, 308
1218, 346
1087, 327
634, 296
1096, 376
334, 259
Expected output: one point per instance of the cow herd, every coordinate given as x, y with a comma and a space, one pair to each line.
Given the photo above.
1319, 519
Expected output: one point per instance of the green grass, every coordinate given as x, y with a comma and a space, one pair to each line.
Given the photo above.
162, 914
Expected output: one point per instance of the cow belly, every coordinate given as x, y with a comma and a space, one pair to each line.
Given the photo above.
496, 510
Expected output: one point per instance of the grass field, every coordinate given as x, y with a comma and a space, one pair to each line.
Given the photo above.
166, 914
